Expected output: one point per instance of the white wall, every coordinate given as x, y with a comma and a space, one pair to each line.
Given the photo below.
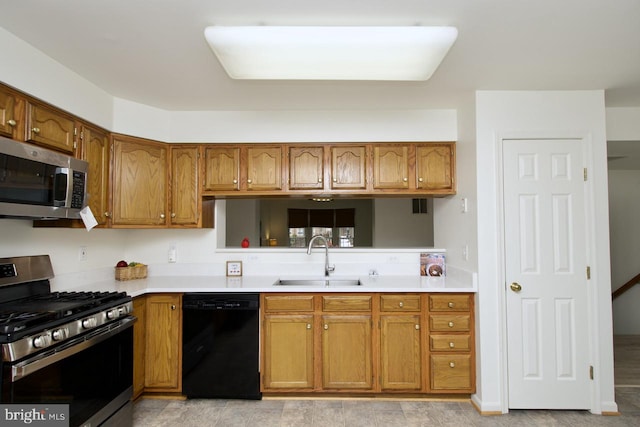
623, 124
30, 71
539, 114
624, 207
454, 229
395, 226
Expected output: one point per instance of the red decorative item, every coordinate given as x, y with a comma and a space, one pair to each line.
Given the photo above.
245, 243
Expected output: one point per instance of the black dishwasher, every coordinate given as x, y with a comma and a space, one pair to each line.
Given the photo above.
220, 345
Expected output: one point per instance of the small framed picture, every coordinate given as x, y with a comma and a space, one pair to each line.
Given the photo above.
234, 268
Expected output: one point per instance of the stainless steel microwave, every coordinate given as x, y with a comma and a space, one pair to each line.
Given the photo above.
40, 183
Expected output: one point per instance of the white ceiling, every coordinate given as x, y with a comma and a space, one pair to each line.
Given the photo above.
153, 51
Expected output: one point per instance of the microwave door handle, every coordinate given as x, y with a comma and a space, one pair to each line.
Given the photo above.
62, 187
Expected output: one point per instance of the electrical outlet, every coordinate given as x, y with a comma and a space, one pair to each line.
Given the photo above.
173, 252
465, 252
82, 253
464, 207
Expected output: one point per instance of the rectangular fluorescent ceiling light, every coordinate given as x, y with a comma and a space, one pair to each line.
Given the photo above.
330, 53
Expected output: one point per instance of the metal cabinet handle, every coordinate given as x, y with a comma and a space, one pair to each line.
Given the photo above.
405, 179
335, 179
173, 306
417, 327
515, 287
107, 214
162, 216
249, 181
451, 305
308, 325
35, 130
11, 122
420, 179
319, 179
451, 345
401, 304
173, 214
451, 324
452, 365
326, 326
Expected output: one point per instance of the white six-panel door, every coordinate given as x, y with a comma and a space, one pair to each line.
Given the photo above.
546, 282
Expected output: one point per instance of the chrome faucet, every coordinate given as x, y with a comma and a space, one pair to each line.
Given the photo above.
327, 269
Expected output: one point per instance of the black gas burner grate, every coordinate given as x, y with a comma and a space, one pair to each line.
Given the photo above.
44, 310
14, 321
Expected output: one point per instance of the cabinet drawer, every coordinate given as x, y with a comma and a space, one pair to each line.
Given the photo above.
450, 371
450, 343
449, 302
400, 303
449, 322
346, 302
288, 303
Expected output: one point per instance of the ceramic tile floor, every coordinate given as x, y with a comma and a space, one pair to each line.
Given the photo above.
390, 413
366, 413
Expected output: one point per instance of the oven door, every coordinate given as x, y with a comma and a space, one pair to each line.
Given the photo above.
93, 374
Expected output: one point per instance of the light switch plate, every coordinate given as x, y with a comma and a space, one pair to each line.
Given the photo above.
234, 268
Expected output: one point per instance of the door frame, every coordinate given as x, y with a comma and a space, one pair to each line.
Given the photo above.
593, 309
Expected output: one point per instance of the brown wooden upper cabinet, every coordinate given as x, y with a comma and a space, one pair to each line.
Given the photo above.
348, 167
306, 168
435, 168
221, 168
264, 167
391, 167
95, 145
139, 182
12, 114
186, 203
50, 128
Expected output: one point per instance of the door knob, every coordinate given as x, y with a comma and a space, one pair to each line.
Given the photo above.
515, 287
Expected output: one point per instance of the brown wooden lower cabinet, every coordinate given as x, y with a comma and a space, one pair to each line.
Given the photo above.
367, 343
157, 344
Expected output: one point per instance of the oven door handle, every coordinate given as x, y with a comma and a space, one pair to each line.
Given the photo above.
29, 366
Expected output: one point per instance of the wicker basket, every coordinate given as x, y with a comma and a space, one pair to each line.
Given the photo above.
131, 273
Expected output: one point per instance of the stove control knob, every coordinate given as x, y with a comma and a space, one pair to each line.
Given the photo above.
59, 334
89, 323
113, 314
41, 341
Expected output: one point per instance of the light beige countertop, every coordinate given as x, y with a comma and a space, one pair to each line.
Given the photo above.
263, 284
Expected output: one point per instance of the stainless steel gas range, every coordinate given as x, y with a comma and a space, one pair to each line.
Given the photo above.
68, 348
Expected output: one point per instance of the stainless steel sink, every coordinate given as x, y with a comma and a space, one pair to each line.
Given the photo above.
318, 282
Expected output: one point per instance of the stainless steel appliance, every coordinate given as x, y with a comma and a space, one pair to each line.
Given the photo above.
40, 183
72, 348
220, 342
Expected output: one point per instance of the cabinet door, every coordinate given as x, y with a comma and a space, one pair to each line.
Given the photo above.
264, 168
400, 352
139, 182
435, 167
185, 197
12, 119
348, 166
51, 128
95, 150
139, 339
163, 367
390, 167
288, 352
346, 352
306, 168
221, 169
